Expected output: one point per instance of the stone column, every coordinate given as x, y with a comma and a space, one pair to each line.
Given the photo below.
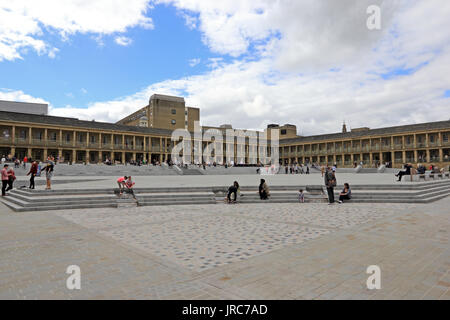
30, 136
441, 155
428, 153
404, 156
13, 151
45, 154
13, 138
74, 156
88, 156
415, 156
123, 158
74, 141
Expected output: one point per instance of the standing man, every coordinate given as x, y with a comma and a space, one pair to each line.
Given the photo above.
330, 183
25, 160
5, 179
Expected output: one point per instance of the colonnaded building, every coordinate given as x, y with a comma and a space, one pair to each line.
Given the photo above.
27, 130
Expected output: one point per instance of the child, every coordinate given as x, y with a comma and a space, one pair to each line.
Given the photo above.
301, 196
129, 184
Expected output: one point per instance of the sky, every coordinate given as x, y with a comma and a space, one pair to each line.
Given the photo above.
312, 63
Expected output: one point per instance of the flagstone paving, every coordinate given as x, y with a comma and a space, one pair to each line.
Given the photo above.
243, 251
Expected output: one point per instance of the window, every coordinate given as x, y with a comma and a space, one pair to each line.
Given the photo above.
53, 136
174, 111
445, 137
185, 123
283, 131
185, 113
173, 121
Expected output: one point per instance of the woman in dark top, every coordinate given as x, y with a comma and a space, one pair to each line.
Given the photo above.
263, 190
233, 190
33, 171
346, 193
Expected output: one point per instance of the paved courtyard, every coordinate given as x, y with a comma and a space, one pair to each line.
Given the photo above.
255, 251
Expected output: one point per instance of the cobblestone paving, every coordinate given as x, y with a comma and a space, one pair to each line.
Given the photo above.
202, 237
254, 251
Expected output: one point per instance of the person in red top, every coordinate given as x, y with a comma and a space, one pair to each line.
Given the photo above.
33, 171
5, 179
121, 182
25, 160
11, 179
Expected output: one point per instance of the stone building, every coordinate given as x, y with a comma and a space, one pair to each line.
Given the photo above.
146, 135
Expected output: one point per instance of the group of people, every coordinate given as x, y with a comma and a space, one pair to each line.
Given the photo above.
331, 182
264, 193
234, 191
296, 169
8, 174
408, 170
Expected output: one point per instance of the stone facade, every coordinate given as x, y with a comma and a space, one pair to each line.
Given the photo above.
146, 135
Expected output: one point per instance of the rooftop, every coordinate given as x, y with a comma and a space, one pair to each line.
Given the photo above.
76, 123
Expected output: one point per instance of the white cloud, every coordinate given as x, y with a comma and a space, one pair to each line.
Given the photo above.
23, 23
309, 64
123, 41
194, 62
18, 95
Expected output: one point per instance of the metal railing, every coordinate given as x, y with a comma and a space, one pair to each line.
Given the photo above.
22, 141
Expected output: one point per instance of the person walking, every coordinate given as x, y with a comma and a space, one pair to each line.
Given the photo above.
330, 183
264, 193
5, 179
33, 172
346, 193
11, 179
25, 160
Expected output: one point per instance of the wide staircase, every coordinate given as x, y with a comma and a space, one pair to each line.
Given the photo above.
40, 200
